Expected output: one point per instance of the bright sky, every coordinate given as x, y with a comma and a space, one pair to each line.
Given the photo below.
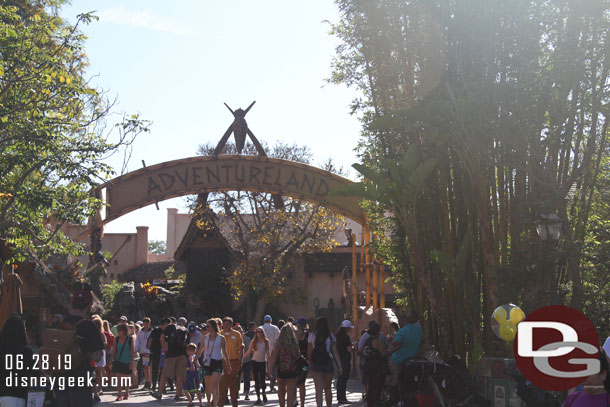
176, 62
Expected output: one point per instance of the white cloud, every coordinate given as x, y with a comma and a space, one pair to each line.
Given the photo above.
144, 19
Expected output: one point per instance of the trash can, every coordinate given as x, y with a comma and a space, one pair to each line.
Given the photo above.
496, 385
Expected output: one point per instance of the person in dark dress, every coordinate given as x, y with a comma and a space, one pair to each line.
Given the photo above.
13, 347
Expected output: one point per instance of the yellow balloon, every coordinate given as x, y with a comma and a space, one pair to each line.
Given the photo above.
500, 315
516, 315
508, 330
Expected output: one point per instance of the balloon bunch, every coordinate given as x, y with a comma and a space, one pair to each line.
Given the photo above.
504, 321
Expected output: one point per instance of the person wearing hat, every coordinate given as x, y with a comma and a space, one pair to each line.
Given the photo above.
194, 335
272, 332
344, 349
182, 321
122, 320
90, 343
141, 347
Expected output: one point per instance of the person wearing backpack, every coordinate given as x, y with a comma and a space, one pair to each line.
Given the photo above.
81, 339
284, 363
173, 342
322, 352
375, 352
154, 345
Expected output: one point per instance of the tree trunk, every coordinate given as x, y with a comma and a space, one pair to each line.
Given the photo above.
260, 310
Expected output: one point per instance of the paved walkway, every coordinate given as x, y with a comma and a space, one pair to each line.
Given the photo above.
138, 397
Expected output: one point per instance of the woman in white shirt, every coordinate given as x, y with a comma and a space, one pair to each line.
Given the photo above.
213, 349
259, 349
322, 355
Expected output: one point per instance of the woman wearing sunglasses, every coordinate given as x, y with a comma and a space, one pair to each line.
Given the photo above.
259, 349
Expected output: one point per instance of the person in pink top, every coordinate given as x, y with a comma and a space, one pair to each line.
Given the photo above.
595, 392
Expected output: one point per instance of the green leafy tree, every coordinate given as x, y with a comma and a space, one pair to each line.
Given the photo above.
266, 240
157, 246
53, 139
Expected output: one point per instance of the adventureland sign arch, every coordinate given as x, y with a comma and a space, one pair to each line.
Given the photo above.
204, 174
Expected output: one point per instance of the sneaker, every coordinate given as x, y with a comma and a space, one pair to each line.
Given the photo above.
96, 399
258, 402
247, 397
155, 395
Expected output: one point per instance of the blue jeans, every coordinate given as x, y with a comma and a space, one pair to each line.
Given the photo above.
246, 370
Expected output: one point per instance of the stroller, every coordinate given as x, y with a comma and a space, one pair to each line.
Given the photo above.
448, 383
533, 396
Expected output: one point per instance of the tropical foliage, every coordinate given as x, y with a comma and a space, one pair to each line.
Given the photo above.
53, 137
480, 119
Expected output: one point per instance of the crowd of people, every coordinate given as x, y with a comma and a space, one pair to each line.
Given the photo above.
211, 360
208, 360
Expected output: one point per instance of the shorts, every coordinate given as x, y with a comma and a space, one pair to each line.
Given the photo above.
329, 367
174, 367
214, 367
289, 375
102, 362
145, 359
121, 367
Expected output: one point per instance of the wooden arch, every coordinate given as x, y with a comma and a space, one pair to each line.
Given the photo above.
205, 174
225, 173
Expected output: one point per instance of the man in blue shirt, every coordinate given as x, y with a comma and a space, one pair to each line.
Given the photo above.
405, 346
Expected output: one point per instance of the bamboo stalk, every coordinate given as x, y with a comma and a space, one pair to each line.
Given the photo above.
367, 267
382, 286
375, 281
354, 280
362, 249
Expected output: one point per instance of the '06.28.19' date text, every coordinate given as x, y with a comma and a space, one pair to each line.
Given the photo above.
39, 362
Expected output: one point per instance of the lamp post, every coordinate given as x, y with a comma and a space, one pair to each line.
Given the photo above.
548, 228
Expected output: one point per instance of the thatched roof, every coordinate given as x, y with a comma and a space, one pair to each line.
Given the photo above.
152, 271
213, 235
